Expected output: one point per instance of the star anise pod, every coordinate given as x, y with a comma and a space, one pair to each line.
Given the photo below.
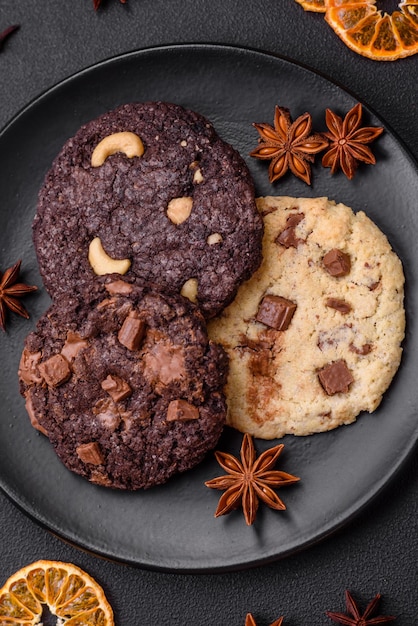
348, 141
10, 291
97, 3
289, 145
7, 32
250, 480
354, 618
250, 621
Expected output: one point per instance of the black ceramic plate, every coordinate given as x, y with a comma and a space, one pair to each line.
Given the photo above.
172, 527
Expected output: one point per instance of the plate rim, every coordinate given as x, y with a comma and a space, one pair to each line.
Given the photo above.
350, 513
209, 46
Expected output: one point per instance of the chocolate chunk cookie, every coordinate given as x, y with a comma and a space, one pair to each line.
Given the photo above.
161, 197
314, 337
126, 385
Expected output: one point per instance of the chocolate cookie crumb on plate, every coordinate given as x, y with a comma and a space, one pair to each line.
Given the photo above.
126, 385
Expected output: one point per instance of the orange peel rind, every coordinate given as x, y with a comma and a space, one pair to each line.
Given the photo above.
372, 33
317, 6
70, 594
367, 30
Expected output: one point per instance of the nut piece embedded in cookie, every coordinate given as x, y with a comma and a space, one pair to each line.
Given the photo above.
90, 453
181, 410
179, 209
126, 142
55, 371
189, 290
198, 176
102, 263
214, 238
117, 388
337, 263
335, 377
132, 332
276, 312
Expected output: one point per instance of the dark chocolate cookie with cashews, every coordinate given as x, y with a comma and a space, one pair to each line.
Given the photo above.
149, 190
126, 385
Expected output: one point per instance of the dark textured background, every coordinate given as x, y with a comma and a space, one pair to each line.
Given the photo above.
378, 551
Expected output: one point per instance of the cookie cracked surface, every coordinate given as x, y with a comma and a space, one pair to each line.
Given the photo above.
328, 343
126, 385
183, 210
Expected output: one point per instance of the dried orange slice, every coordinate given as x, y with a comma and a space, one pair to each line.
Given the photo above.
68, 593
375, 35
318, 6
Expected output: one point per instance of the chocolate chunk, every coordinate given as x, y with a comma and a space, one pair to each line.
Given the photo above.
268, 210
337, 263
73, 345
325, 341
90, 453
256, 344
276, 312
260, 362
132, 332
287, 237
335, 377
165, 363
365, 349
339, 305
182, 411
100, 478
118, 287
28, 367
116, 387
55, 371
32, 415
107, 414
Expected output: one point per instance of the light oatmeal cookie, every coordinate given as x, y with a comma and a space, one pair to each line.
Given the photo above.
314, 337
